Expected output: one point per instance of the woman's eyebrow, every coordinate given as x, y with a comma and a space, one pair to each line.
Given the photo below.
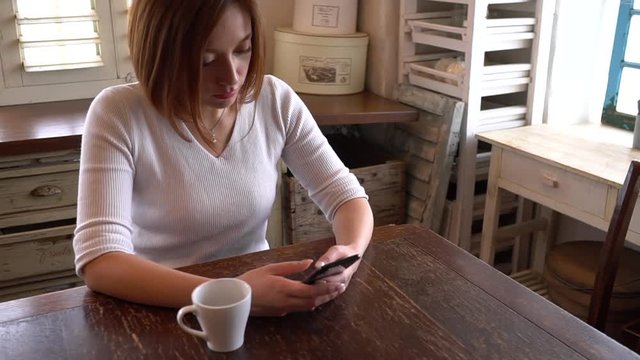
247, 37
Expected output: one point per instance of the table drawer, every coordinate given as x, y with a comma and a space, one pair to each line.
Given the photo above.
40, 191
561, 186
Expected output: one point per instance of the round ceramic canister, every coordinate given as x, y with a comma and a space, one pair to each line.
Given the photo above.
327, 65
337, 17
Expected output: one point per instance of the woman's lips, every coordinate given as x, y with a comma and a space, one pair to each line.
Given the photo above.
225, 96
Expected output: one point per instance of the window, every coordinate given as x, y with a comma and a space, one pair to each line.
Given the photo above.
623, 92
61, 49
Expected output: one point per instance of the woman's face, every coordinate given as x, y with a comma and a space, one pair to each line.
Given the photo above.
226, 58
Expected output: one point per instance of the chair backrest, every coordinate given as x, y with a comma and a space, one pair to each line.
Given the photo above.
613, 247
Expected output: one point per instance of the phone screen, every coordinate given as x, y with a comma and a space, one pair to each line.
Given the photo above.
331, 268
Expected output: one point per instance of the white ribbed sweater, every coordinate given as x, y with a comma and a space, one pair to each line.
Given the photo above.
145, 190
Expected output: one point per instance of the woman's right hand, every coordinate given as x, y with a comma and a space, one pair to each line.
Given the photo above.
275, 295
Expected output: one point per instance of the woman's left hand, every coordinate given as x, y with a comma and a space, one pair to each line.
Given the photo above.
334, 253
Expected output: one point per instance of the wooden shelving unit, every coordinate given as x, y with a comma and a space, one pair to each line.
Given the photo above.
58, 126
491, 54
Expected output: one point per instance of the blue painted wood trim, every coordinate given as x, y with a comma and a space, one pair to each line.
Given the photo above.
609, 114
631, 65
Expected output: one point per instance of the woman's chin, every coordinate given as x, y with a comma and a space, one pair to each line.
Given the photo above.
218, 103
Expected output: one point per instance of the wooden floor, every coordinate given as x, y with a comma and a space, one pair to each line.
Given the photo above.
532, 280
627, 334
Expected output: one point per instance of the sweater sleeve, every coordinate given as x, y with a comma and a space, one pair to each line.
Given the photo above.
311, 158
105, 182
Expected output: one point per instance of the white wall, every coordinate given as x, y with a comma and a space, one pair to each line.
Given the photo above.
381, 20
580, 56
275, 13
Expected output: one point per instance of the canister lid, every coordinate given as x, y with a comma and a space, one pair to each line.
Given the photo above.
287, 34
325, 16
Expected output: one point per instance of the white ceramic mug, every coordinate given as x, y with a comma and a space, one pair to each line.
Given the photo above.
222, 308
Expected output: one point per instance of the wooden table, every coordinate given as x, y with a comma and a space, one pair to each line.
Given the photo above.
416, 295
45, 127
574, 170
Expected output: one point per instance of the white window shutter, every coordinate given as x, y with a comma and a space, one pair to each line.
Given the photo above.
58, 35
57, 50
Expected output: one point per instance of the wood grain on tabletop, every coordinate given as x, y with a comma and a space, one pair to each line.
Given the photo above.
372, 310
565, 144
414, 296
537, 311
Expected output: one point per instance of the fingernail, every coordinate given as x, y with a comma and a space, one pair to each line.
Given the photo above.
320, 264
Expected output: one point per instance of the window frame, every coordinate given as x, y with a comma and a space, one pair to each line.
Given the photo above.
20, 87
609, 114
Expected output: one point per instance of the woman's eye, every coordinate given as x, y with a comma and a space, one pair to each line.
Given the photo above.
245, 50
208, 59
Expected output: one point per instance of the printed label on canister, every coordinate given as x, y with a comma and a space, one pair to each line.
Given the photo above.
325, 16
324, 70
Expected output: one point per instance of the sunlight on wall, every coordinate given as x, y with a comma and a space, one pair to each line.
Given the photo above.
581, 52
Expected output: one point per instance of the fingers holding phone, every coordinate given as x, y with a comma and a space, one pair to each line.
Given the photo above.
328, 271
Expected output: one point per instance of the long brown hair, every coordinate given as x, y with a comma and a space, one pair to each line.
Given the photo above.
167, 40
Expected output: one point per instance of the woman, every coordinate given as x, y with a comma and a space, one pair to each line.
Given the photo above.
181, 168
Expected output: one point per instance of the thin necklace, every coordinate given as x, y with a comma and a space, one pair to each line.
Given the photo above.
214, 139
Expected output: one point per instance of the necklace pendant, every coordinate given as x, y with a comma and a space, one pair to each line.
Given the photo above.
213, 129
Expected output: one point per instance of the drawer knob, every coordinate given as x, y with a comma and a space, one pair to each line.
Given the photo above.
550, 180
46, 190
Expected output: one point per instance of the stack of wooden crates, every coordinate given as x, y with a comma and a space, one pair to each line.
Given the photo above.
382, 176
38, 195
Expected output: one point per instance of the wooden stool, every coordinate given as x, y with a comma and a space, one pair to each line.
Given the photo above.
570, 272
600, 276
631, 335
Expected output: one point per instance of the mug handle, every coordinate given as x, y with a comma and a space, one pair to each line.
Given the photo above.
181, 313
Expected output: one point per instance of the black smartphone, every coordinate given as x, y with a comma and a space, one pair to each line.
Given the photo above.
326, 269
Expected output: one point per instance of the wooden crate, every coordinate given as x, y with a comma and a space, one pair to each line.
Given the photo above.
382, 177
37, 285
37, 218
36, 252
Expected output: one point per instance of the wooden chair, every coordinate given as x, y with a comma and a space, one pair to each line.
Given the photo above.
570, 266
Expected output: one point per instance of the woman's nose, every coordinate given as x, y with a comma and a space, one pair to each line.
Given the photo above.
228, 72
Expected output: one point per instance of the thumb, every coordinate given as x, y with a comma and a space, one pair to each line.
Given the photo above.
331, 255
288, 267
